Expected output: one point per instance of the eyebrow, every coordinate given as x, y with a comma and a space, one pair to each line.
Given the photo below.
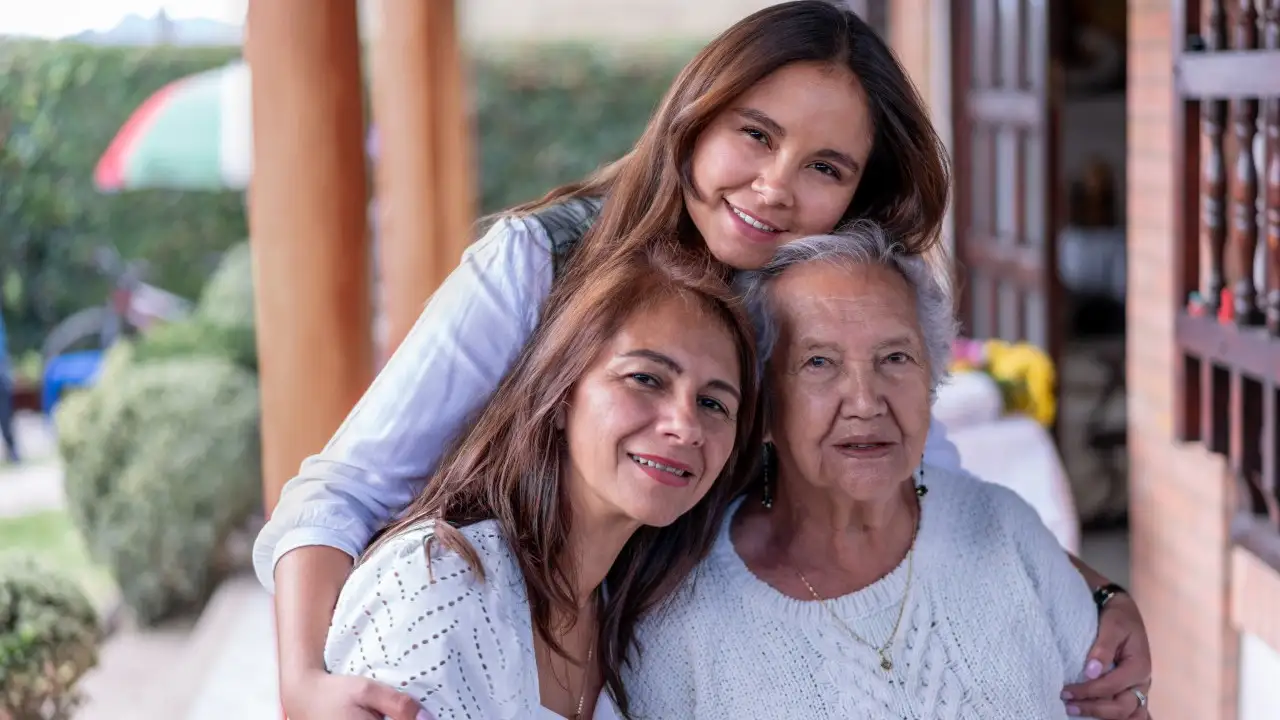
772, 126
897, 340
676, 368
815, 344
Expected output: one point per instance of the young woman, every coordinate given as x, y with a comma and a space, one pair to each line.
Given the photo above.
606, 458
794, 120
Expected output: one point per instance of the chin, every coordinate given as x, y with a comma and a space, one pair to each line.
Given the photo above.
741, 254
874, 483
656, 514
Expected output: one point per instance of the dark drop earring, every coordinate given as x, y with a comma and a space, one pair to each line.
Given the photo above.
766, 495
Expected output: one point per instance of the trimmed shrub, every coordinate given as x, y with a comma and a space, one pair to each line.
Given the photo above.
49, 636
162, 462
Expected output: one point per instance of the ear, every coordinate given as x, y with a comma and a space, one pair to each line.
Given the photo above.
560, 417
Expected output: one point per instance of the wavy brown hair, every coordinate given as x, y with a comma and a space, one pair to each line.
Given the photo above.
508, 466
904, 188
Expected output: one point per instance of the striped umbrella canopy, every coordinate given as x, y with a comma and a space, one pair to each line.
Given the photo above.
195, 133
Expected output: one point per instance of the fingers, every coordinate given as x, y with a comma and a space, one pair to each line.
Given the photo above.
1108, 686
1123, 706
1121, 641
389, 702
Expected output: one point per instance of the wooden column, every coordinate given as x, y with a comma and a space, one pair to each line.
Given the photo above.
307, 224
424, 173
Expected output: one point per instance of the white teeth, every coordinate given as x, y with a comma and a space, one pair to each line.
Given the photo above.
659, 466
752, 221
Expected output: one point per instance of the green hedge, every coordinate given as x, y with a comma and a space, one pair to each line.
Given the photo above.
545, 115
60, 106
551, 115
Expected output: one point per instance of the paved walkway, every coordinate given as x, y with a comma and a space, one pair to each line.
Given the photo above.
36, 483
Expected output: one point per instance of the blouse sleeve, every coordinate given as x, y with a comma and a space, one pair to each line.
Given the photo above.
451, 362
442, 636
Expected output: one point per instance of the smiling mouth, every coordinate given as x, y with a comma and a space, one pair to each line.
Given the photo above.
753, 221
645, 462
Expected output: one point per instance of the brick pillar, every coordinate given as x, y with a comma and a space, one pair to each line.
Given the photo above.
1179, 495
307, 226
424, 174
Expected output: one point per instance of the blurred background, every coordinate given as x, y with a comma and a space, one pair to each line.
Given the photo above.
1115, 225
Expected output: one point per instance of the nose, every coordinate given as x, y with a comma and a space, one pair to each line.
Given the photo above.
681, 422
860, 394
773, 183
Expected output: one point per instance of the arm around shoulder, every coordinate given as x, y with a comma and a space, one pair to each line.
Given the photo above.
451, 362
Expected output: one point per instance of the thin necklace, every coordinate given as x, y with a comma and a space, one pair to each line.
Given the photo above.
886, 660
586, 673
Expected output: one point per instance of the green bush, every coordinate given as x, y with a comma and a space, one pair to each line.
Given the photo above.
227, 298
549, 115
162, 462
222, 324
49, 636
197, 337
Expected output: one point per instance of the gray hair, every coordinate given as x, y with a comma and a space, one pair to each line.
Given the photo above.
861, 242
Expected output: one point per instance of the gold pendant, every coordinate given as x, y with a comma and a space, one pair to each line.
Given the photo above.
885, 661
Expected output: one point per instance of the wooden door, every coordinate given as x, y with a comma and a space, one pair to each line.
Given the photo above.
1005, 163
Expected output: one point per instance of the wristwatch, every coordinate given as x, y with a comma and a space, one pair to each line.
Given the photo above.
1103, 595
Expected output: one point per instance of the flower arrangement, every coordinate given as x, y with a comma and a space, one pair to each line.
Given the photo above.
1023, 371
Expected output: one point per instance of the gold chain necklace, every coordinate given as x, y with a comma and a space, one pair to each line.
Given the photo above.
886, 660
586, 675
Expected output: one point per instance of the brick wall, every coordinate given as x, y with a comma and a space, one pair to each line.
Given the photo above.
1179, 502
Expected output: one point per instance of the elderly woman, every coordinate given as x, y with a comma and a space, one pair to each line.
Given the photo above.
853, 581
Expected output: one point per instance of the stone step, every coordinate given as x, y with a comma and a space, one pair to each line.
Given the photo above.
231, 669
221, 665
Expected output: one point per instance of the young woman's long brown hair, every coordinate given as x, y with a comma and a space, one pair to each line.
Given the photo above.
508, 465
906, 180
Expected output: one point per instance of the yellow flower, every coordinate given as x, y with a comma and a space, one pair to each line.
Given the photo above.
1026, 374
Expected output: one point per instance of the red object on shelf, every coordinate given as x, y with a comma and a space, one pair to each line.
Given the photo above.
1225, 305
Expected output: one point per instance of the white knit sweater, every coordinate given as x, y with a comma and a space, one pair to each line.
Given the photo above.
996, 623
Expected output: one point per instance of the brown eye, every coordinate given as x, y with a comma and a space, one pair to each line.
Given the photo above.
826, 169
713, 405
644, 379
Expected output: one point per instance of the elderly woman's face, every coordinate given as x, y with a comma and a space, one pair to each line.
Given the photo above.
849, 379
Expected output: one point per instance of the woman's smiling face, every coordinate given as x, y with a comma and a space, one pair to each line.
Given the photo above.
652, 423
781, 162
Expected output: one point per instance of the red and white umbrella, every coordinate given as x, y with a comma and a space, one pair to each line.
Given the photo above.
194, 134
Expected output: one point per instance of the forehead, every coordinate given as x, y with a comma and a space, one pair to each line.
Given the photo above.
682, 328
843, 304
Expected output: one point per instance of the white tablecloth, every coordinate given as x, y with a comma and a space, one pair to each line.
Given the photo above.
1018, 453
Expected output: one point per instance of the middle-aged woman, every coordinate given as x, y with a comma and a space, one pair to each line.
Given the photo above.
855, 581
580, 497
791, 122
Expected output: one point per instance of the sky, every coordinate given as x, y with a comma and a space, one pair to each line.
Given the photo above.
58, 18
